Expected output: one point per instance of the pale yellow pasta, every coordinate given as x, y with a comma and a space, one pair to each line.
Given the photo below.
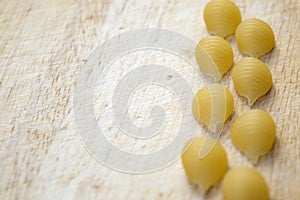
221, 17
212, 106
205, 161
214, 56
254, 37
251, 78
244, 183
253, 133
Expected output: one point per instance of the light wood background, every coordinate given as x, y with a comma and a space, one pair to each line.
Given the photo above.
43, 45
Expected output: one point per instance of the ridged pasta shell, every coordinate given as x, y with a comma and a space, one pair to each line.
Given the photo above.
253, 133
244, 183
251, 78
221, 17
205, 161
212, 106
254, 37
214, 56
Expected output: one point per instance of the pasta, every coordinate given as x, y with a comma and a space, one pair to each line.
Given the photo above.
254, 37
253, 133
214, 56
221, 17
251, 78
199, 161
212, 106
244, 183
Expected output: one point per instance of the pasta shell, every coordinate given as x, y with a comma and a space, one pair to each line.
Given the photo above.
221, 17
205, 161
253, 133
251, 78
244, 183
254, 37
212, 106
214, 56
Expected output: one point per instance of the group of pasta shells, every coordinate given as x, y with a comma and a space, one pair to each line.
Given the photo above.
253, 132
254, 37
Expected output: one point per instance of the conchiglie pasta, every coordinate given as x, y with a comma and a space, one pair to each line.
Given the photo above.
199, 160
221, 17
243, 183
251, 78
254, 37
214, 56
212, 106
253, 133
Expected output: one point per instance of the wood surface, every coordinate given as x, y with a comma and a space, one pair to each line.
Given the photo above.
43, 45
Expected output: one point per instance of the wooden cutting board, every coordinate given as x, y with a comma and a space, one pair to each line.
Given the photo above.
43, 46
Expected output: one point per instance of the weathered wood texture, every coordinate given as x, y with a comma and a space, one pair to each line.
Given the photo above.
43, 45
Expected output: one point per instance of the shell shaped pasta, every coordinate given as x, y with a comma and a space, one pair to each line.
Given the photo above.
244, 183
251, 78
254, 37
253, 133
199, 160
212, 106
214, 56
221, 17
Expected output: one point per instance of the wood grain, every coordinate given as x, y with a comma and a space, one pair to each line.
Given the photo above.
43, 45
